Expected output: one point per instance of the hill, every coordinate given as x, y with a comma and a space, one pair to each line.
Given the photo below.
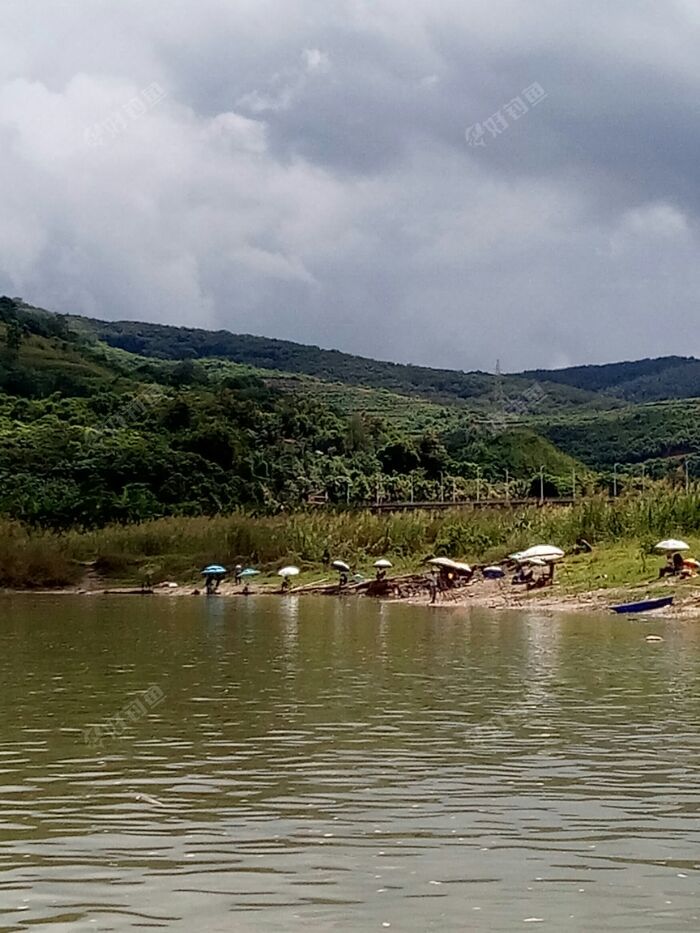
671, 377
92, 433
475, 389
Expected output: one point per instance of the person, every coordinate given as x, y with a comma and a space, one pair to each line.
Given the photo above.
343, 579
673, 566
433, 588
381, 573
211, 583
524, 575
237, 571
286, 584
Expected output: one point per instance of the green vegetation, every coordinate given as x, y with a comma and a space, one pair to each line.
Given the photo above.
662, 435
174, 548
476, 389
92, 435
671, 377
113, 435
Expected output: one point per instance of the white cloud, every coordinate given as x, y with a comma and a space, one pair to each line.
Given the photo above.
316, 61
306, 175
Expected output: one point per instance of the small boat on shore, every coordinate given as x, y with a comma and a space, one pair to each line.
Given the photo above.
646, 605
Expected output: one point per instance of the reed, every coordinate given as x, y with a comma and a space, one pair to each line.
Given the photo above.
34, 559
179, 546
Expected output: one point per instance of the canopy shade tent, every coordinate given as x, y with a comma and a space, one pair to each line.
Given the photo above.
214, 570
672, 544
289, 572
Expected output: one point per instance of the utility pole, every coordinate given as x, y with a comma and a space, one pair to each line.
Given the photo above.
499, 401
542, 485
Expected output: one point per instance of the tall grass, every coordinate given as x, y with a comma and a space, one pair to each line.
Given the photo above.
177, 546
34, 559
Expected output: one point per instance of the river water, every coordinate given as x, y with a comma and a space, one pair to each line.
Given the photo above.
286, 764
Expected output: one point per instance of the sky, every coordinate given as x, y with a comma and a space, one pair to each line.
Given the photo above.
443, 182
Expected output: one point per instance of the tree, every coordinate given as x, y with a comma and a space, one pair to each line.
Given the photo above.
13, 339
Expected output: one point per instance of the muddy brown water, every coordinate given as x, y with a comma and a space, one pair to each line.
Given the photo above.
319, 764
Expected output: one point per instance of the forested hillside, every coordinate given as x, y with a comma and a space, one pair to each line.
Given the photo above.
442, 385
671, 377
93, 432
90, 434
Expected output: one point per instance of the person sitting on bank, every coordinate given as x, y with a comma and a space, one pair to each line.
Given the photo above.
673, 567
524, 575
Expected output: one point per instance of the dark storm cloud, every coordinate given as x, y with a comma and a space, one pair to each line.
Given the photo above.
305, 173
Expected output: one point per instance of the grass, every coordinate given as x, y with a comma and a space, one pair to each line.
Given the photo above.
34, 559
623, 533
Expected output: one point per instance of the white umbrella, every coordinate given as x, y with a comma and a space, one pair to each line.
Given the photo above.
383, 564
546, 552
442, 562
672, 544
463, 568
289, 572
340, 565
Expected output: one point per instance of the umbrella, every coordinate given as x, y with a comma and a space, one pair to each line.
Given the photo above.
463, 568
672, 544
545, 552
442, 562
494, 572
289, 572
340, 565
249, 572
382, 563
214, 570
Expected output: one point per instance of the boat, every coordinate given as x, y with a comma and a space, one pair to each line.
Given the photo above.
646, 605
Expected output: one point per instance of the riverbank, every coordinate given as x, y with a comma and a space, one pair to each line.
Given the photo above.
610, 574
127, 558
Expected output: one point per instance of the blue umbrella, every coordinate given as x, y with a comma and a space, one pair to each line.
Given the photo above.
249, 572
214, 570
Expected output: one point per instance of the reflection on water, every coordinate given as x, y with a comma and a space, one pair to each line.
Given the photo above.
345, 765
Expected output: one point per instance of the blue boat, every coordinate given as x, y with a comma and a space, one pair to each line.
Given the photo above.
646, 605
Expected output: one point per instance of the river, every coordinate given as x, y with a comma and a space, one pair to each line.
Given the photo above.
318, 764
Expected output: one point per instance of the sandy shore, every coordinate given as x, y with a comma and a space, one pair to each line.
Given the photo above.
486, 594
